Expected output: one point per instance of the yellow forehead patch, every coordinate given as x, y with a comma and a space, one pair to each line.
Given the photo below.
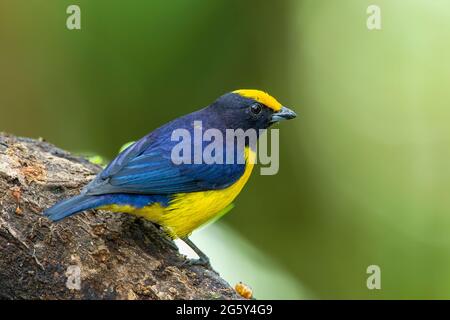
260, 96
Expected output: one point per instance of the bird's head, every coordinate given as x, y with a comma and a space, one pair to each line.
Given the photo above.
250, 109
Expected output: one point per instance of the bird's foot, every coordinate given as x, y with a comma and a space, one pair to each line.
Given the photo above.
203, 258
204, 262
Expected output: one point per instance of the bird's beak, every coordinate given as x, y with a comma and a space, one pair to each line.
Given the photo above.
283, 114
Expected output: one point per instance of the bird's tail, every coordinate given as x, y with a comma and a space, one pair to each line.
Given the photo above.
73, 205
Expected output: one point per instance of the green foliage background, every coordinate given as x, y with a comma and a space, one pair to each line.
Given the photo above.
364, 174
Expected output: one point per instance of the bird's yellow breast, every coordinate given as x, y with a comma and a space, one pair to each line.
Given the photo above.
188, 211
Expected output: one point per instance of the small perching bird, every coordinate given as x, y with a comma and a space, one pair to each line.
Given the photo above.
143, 180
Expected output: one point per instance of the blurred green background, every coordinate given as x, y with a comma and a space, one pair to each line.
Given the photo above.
364, 170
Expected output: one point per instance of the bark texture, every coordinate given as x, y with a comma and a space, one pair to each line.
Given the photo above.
93, 255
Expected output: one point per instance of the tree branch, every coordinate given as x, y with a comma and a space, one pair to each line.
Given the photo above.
94, 255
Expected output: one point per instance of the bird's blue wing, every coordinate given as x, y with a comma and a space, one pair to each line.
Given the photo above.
128, 154
146, 167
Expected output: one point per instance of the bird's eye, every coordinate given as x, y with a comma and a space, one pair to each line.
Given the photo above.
256, 108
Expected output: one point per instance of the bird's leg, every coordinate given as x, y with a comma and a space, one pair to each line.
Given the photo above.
203, 258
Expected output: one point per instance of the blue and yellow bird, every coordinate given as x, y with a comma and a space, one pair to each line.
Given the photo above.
144, 181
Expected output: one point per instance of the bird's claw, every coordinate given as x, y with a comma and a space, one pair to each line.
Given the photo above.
197, 262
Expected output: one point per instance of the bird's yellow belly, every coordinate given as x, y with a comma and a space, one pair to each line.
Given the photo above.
188, 211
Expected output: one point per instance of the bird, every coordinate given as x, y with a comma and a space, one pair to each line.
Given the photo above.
144, 181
